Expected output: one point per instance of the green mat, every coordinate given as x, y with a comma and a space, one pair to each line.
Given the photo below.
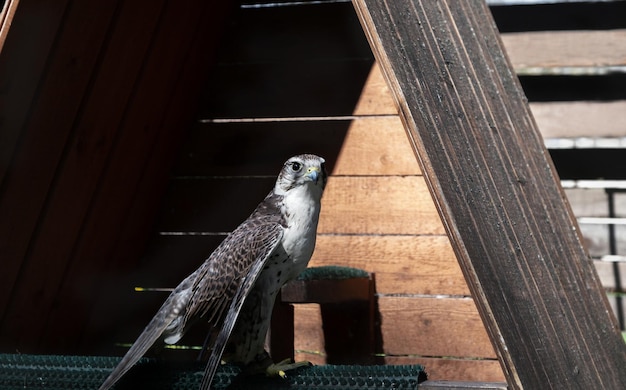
333, 272
88, 372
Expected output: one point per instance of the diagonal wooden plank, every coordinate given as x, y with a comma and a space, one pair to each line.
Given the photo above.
497, 193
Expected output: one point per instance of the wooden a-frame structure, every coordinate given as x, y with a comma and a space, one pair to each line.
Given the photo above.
465, 114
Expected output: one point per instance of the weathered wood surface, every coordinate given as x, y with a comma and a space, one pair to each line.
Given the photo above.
549, 52
497, 193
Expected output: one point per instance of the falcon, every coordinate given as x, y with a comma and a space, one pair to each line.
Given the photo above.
236, 286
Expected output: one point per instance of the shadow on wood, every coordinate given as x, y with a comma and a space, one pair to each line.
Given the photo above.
349, 313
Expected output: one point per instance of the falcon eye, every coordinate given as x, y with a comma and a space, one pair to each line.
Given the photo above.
296, 166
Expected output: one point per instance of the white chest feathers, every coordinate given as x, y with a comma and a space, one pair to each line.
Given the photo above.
301, 208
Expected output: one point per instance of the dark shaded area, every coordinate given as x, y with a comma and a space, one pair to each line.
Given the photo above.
349, 311
238, 149
571, 88
346, 329
297, 60
579, 164
572, 16
95, 99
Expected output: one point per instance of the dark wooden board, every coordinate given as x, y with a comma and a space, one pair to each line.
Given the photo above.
31, 181
497, 192
94, 114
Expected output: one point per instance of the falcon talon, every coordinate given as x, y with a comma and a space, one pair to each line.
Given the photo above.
281, 368
236, 286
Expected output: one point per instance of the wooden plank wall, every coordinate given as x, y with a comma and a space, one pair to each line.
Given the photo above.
93, 98
296, 78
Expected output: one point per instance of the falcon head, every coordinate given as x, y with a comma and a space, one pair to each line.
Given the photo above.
302, 170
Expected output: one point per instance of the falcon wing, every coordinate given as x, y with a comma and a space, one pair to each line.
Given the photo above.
228, 273
269, 239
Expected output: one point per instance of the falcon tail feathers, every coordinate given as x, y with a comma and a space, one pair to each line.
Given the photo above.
146, 339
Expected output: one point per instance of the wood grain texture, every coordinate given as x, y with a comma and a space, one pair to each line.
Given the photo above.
378, 205
411, 326
364, 146
432, 326
580, 119
402, 264
554, 49
376, 146
610, 273
309, 342
376, 97
500, 200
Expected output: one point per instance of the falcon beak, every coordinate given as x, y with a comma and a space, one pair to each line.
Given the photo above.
313, 174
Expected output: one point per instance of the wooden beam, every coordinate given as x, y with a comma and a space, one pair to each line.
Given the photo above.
497, 193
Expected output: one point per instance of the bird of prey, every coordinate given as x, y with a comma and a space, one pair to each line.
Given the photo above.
236, 286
